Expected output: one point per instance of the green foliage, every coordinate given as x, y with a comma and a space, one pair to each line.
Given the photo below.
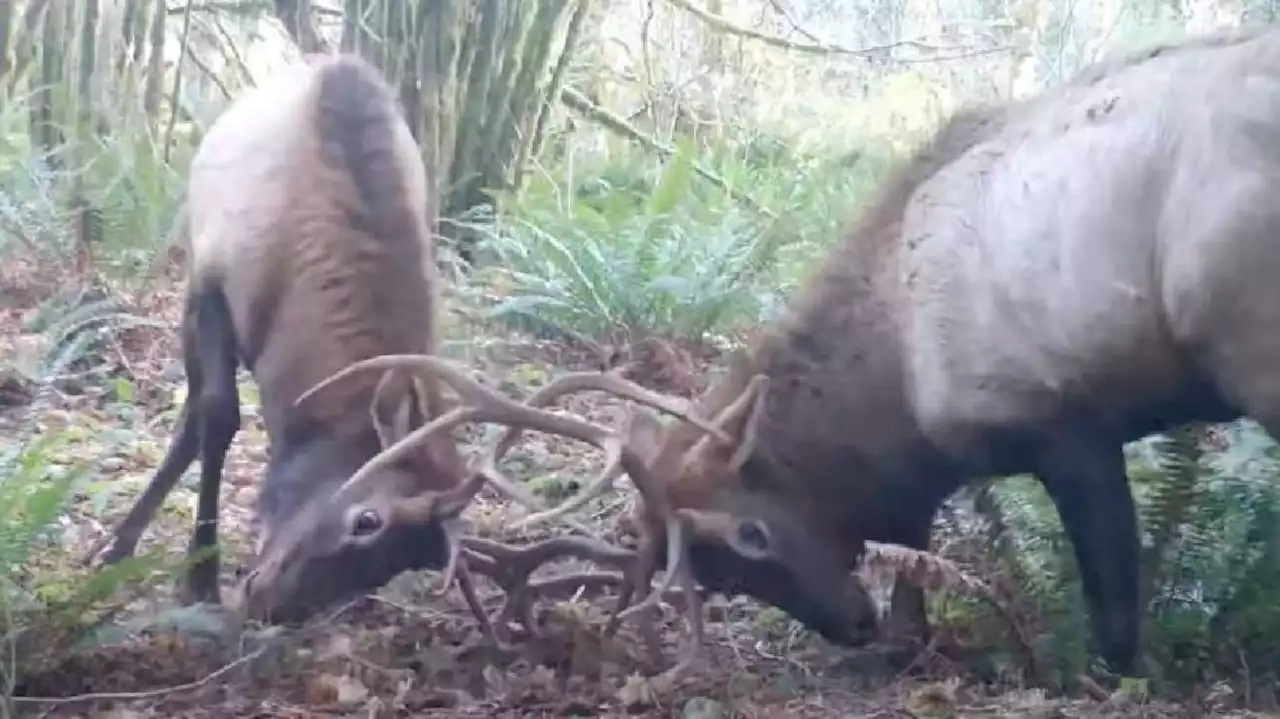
630, 248
45, 605
1210, 519
132, 193
136, 195
1214, 602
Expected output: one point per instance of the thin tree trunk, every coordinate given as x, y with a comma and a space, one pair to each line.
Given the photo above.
88, 226
153, 91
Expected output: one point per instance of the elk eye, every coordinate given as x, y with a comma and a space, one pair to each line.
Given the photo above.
366, 522
751, 539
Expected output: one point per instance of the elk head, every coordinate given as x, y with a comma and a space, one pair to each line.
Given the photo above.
364, 533
383, 519
745, 525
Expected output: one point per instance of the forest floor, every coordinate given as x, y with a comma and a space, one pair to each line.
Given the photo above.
402, 652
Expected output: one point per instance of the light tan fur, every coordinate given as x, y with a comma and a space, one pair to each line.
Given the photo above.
309, 237
269, 219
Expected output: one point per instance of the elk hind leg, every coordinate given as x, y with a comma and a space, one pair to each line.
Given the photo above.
218, 412
184, 446
1087, 482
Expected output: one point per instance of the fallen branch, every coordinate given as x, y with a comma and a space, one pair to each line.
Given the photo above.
932, 573
147, 694
579, 102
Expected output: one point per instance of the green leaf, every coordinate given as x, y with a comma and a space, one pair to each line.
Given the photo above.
675, 179
123, 390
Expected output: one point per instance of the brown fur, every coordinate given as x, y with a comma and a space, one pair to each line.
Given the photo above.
947, 337
311, 249
838, 286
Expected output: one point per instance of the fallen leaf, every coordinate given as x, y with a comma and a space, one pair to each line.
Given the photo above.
330, 689
637, 693
338, 646
934, 700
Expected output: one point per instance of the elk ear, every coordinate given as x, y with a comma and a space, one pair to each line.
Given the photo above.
391, 410
400, 407
430, 404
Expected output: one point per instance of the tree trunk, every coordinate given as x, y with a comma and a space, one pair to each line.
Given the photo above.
474, 77
153, 92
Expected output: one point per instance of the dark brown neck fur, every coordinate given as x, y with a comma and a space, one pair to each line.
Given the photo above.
837, 420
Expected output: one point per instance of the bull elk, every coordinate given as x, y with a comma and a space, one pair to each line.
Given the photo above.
310, 248
1042, 283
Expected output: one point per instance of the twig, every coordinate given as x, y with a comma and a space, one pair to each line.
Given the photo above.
785, 15
575, 100
210, 73
148, 694
720, 24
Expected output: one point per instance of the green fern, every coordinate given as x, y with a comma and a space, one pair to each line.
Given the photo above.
1175, 491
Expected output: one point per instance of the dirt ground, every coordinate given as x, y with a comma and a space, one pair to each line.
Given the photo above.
404, 653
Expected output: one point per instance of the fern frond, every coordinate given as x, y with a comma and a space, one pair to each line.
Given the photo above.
1176, 489
883, 562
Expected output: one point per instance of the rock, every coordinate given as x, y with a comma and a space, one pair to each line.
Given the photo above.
703, 708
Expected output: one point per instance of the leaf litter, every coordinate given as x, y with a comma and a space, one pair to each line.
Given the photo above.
401, 653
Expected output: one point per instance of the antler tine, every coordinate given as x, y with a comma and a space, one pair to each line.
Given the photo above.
408, 443
486, 404
453, 535
466, 584
511, 568
676, 555
480, 404
602, 483
610, 383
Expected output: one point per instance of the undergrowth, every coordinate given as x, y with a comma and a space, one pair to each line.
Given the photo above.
48, 605
1209, 505
621, 247
611, 247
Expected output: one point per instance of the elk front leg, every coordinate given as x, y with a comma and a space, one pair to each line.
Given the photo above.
219, 420
1090, 489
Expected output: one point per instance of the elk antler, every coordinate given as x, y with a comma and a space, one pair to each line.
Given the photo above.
511, 567
603, 482
480, 403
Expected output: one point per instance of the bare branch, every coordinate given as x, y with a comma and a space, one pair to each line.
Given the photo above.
577, 101
819, 48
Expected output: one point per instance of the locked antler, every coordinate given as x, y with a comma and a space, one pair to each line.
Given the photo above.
479, 403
